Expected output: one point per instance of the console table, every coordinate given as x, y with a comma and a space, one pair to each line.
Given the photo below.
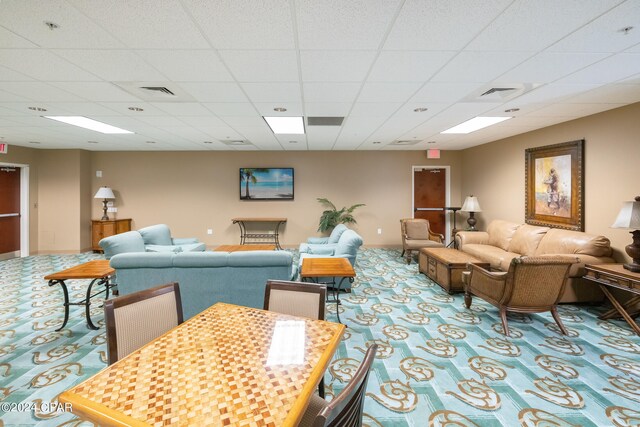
252, 236
616, 276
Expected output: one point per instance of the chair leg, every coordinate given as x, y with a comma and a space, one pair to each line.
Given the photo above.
556, 317
321, 388
402, 254
467, 299
408, 256
503, 316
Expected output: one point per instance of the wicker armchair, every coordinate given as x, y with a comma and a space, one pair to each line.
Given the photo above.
417, 234
531, 285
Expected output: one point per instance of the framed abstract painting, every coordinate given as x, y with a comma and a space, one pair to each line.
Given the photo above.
554, 176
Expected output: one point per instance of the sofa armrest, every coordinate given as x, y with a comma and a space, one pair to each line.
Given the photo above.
470, 237
184, 240
318, 240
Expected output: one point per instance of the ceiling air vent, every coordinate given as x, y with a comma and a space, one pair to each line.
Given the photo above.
325, 121
500, 92
159, 89
405, 142
497, 89
236, 142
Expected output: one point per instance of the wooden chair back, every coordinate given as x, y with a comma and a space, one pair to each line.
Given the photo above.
296, 298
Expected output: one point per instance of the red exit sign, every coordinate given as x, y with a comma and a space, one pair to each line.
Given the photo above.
3, 148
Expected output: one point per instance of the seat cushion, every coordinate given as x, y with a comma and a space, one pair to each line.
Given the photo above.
417, 230
131, 241
156, 235
418, 244
526, 239
316, 404
501, 233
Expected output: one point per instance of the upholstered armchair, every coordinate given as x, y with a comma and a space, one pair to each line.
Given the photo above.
417, 234
531, 285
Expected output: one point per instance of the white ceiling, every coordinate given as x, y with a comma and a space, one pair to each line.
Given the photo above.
372, 61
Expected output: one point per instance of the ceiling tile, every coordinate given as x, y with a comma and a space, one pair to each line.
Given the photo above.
188, 65
609, 70
327, 109
336, 65
204, 122
408, 66
479, 67
96, 91
337, 24
146, 24
247, 24
262, 65
7, 75
387, 92
38, 91
374, 109
330, 92
112, 65
441, 25
532, 26
444, 92
80, 109
223, 109
604, 33
74, 30
42, 65
547, 67
273, 92
11, 40
609, 94
182, 108
266, 109
215, 92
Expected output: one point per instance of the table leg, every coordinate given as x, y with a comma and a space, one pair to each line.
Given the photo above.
621, 310
243, 231
277, 241
87, 301
614, 313
65, 292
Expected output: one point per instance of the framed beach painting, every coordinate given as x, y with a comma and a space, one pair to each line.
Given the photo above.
266, 183
555, 185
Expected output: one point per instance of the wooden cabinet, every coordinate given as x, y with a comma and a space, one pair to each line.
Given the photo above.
101, 229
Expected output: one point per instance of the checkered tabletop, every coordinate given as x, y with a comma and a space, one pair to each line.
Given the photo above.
211, 371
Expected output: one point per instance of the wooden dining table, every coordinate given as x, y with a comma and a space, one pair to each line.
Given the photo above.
227, 366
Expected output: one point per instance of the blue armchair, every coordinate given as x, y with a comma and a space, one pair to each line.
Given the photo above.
332, 239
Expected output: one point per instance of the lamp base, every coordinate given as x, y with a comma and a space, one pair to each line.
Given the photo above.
105, 217
472, 222
632, 267
633, 250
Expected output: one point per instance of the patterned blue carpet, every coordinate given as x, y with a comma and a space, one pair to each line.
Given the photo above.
438, 364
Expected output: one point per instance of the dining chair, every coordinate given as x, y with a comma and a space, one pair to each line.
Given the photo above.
346, 409
531, 285
135, 319
297, 299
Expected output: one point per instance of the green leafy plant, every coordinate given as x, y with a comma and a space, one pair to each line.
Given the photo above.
332, 217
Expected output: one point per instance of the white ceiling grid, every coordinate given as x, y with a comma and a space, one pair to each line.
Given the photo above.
371, 61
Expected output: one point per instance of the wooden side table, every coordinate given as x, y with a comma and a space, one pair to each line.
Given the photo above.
101, 229
98, 270
616, 276
315, 268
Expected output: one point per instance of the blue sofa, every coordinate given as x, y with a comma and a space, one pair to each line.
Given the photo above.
346, 247
155, 238
205, 277
325, 242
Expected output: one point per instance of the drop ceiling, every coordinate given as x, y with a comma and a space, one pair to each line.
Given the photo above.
372, 62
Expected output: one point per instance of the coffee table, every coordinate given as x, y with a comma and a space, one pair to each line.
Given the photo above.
315, 268
98, 270
445, 266
242, 248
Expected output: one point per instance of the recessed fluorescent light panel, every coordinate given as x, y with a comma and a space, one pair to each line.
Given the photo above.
86, 123
286, 125
475, 124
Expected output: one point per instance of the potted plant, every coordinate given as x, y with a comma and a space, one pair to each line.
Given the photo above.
332, 217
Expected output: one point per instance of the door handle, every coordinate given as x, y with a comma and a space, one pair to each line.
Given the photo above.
8, 215
428, 209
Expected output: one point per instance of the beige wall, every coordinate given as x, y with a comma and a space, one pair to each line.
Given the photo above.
193, 191
495, 172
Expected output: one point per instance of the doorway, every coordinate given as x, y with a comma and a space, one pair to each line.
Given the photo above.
431, 196
14, 205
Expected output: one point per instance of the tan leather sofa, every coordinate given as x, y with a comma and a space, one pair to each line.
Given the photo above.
504, 241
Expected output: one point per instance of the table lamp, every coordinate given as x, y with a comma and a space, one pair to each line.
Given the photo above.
472, 206
629, 218
104, 193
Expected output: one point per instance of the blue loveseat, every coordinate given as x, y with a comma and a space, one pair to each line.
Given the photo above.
205, 277
155, 238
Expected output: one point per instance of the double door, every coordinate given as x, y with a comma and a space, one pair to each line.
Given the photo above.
9, 212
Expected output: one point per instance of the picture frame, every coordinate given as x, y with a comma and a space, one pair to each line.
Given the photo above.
258, 184
554, 177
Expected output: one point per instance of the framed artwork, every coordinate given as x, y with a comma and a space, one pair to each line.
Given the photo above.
555, 185
266, 183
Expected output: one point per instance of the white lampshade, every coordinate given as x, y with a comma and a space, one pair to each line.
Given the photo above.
104, 193
471, 205
629, 216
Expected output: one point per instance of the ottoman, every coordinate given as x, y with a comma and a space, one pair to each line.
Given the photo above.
445, 266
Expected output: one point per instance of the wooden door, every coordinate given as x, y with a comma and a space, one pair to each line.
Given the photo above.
429, 197
9, 210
